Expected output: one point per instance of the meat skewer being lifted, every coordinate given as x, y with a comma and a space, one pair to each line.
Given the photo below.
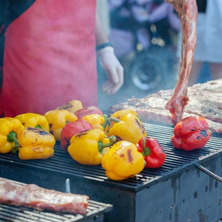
187, 11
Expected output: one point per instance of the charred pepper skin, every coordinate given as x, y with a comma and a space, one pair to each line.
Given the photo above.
191, 133
128, 127
152, 151
35, 144
87, 147
71, 129
34, 120
71, 106
57, 119
122, 161
9, 130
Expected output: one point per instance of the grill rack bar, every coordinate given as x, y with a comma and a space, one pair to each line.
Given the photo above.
177, 160
24, 214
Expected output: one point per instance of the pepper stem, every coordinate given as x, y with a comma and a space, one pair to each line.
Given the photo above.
38, 127
12, 137
101, 145
146, 150
105, 121
112, 119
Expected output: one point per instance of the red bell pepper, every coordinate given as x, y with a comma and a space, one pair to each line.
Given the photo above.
191, 133
72, 128
88, 111
153, 153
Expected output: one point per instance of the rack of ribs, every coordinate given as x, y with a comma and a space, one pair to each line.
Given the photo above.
39, 198
187, 11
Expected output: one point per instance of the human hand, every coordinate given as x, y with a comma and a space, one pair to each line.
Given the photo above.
113, 69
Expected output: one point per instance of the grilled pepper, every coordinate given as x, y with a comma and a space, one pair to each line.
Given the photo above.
128, 128
34, 120
35, 144
71, 106
120, 113
57, 119
153, 153
122, 161
96, 120
71, 129
88, 111
86, 147
191, 133
9, 130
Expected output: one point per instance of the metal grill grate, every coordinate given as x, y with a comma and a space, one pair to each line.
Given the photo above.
23, 214
176, 160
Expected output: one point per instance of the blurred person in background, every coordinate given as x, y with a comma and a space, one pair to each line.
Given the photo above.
48, 55
208, 45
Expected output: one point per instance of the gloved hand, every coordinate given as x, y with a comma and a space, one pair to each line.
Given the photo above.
113, 68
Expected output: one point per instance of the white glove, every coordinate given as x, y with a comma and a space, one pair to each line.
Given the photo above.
113, 68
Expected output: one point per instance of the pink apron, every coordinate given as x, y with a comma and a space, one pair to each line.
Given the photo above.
50, 57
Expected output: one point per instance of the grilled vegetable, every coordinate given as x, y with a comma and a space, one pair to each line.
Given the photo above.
120, 113
9, 130
96, 120
71, 129
88, 111
127, 127
57, 119
35, 144
86, 147
191, 133
153, 153
34, 120
122, 161
71, 106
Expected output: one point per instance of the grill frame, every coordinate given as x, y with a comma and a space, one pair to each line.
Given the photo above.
127, 196
95, 213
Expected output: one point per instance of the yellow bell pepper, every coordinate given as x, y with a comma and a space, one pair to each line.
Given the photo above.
35, 144
122, 161
71, 106
96, 120
86, 147
128, 128
9, 129
34, 120
57, 119
120, 113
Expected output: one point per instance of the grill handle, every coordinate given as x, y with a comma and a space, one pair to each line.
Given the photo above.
205, 170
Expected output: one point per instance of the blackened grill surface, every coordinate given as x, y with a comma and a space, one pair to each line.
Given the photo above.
23, 214
176, 161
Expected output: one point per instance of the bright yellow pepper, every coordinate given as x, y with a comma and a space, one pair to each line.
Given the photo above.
34, 120
120, 113
86, 147
9, 129
71, 106
96, 120
128, 128
122, 161
57, 119
35, 144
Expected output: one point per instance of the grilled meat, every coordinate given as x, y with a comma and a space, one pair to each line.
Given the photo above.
187, 11
41, 199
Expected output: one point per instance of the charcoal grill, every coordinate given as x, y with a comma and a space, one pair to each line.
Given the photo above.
178, 191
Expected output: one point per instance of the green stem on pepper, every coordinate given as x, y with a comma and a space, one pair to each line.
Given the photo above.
12, 137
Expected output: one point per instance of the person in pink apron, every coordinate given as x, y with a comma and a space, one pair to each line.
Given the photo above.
50, 57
